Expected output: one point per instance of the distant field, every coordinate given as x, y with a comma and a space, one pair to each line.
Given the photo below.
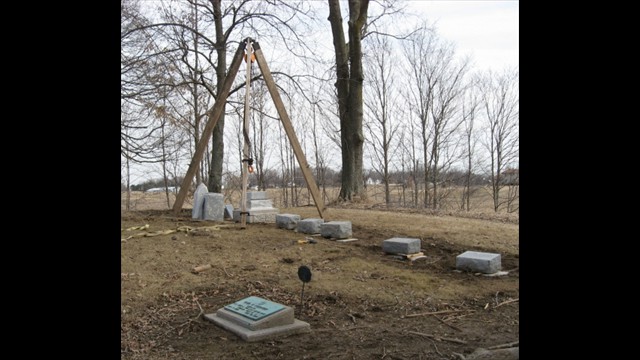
450, 199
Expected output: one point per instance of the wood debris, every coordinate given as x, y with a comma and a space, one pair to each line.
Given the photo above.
201, 268
346, 240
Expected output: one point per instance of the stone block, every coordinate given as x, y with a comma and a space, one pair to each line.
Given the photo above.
487, 263
287, 221
310, 226
256, 195
259, 204
398, 245
265, 215
336, 229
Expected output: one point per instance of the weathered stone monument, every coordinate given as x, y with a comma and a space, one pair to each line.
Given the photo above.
213, 207
259, 207
255, 319
198, 201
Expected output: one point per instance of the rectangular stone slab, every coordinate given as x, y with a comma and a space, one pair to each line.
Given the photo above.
398, 245
336, 229
258, 216
256, 204
487, 263
254, 319
309, 226
287, 221
256, 195
254, 308
263, 334
213, 207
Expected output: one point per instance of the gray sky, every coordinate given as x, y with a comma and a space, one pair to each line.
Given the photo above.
487, 30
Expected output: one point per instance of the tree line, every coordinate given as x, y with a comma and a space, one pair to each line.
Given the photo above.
383, 102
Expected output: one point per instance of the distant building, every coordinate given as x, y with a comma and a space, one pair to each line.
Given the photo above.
510, 177
172, 189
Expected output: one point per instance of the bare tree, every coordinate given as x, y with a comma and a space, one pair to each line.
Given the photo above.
283, 20
470, 109
261, 125
138, 96
448, 86
381, 103
500, 102
423, 44
320, 146
435, 93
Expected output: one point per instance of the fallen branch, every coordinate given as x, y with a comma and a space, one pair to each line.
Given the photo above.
201, 311
438, 351
225, 271
434, 337
150, 234
433, 313
504, 346
508, 302
142, 227
446, 323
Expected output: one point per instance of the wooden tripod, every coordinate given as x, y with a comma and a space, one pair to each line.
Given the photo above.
216, 111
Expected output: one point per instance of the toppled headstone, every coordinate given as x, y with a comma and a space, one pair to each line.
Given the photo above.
287, 221
213, 207
398, 245
310, 226
487, 263
336, 229
256, 319
198, 201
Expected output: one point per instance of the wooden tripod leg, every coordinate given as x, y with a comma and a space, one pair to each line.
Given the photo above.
214, 115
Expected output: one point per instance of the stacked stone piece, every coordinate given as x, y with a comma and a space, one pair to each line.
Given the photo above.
259, 207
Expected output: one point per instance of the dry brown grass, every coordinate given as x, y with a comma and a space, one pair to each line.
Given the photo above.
161, 297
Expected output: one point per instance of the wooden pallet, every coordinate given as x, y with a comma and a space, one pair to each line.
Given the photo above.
411, 257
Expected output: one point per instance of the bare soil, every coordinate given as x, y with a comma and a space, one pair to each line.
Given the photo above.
361, 303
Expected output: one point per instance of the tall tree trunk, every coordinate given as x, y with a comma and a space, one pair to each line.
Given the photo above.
357, 20
342, 88
349, 89
165, 178
217, 139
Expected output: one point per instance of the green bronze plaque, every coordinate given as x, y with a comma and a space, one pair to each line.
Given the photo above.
254, 308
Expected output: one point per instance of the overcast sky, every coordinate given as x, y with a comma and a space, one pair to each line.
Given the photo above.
488, 30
